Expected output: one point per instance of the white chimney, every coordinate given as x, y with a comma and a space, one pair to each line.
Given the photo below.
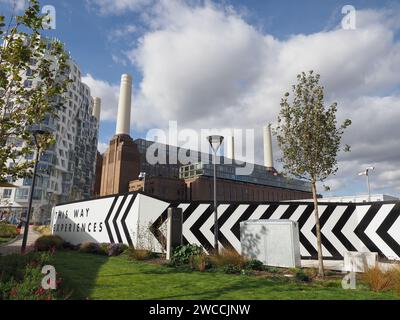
231, 148
268, 157
97, 108
124, 106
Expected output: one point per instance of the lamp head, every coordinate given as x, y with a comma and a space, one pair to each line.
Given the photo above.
215, 142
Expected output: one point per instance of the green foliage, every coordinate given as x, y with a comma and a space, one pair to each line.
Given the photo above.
103, 248
300, 275
309, 138
20, 277
139, 254
70, 246
98, 277
307, 132
24, 56
47, 243
8, 231
231, 269
271, 269
45, 230
254, 264
89, 247
182, 254
115, 249
200, 262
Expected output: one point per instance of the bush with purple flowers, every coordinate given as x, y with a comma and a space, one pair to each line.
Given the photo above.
115, 249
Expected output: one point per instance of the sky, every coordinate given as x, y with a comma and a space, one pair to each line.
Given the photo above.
226, 64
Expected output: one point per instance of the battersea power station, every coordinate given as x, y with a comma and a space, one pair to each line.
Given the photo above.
119, 168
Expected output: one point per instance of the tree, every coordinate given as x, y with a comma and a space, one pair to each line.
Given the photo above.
310, 138
33, 78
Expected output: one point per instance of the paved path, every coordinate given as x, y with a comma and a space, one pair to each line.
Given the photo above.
15, 247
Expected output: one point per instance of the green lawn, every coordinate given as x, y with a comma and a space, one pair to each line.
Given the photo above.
99, 277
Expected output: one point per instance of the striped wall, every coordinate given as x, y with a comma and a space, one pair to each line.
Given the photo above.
367, 227
373, 227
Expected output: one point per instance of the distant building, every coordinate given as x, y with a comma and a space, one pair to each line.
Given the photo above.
359, 198
125, 158
66, 170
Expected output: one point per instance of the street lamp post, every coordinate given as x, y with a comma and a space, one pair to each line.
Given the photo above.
142, 176
26, 229
215, 142
366, 173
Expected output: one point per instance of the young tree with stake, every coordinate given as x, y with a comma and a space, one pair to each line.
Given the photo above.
310, 139
33, 79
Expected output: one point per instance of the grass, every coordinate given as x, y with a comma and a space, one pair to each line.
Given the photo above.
100, 277
44, 230
5, 240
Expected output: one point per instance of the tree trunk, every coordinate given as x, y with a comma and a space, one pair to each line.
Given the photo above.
321, 272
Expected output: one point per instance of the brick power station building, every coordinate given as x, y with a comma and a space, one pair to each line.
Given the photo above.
125, 159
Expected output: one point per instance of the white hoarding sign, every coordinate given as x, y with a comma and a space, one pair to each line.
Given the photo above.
117, 219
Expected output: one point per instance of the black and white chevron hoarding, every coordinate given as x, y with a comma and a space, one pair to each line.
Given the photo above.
116, 219
373, 227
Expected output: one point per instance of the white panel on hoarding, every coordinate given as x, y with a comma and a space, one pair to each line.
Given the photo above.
82, 221
150, 209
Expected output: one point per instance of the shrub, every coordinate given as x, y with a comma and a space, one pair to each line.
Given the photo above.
153, 255
8, 230
45, 230
228, 257
20, 277
89, 247
182, 254
137, 254
271, 269
103, 249
115, 249
70, 246
254, 264
300, 275
46, 243
379, 280
199, 262
247, 272
231, 269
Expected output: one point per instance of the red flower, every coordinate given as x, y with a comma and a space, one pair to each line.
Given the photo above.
40, 291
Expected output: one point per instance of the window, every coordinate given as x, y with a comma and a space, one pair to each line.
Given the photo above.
7, 193
37, 194
22, 194
28, 84
27, 181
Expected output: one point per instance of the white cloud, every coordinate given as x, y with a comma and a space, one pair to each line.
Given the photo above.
204, 66
19, 4
102, 147
108, 94
119, 60
123, 32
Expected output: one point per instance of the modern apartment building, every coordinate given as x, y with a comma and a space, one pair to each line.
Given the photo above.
66, 170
